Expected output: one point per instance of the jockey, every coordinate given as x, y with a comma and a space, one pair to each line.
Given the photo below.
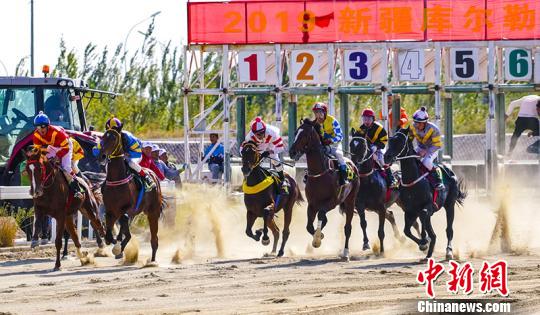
428, 139
331, 137
377, 138
270, 144
78, 154
57, 144
132, 150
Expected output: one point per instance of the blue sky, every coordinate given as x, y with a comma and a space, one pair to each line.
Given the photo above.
103, 22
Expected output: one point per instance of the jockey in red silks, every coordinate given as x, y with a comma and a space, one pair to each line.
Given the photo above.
56, 142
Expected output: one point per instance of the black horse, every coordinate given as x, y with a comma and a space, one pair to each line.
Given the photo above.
416, 193
373, 190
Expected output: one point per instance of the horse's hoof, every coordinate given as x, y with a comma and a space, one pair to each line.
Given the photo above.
423, 260
316, 243
150, 263
265, 241
56, 268
64, 257
280, 253
345, 257
34, 244
119, 256
366, 246
449, 255
117, 249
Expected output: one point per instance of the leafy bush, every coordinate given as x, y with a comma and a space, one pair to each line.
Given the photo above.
8, 231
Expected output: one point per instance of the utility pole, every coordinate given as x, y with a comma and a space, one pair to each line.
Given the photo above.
32, 37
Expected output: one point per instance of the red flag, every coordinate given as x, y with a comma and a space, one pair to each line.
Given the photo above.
324, 21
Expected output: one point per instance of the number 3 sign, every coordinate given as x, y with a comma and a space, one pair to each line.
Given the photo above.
251, 66
305, 66
357, 65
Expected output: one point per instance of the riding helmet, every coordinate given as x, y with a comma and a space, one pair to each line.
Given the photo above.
421, 115
368, 112
320, 106
41, 119
258, 125
114, 123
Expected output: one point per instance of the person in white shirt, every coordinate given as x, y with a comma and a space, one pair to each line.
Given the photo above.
527, 118
269, 144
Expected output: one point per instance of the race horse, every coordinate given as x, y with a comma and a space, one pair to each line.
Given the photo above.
124, 197
52, 197
323, 191
263, 199
373, 194
418, 198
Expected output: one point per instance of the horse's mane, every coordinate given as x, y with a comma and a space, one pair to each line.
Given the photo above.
314, 124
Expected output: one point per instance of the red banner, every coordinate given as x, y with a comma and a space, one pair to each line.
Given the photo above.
259, 22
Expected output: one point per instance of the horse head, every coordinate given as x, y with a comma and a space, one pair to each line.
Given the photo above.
111, 145
358, 147
36, 169
399, 145
250, 157
308, 137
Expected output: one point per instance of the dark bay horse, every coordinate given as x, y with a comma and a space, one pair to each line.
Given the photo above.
51, 195
416, 193
121, 193
323, 191
267, 202
373, 190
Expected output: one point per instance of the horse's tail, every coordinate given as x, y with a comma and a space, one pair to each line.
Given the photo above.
461, 192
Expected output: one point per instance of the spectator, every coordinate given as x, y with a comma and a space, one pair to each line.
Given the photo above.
148, 162
527, 118
172, 172
215, 160
403, 119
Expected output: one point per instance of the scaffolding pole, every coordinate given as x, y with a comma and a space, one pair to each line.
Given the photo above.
226, 114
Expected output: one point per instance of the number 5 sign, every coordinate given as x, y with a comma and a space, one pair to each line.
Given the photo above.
464, 64
251, 66
305, 66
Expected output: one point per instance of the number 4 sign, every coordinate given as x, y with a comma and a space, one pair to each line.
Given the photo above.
251, 66
411, 65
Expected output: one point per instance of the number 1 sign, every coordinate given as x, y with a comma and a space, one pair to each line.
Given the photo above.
251, 66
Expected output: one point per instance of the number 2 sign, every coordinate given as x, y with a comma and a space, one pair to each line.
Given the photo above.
357, 65
464, 64
305, 66
251, 66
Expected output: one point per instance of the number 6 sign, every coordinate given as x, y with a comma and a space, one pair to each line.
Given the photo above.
305, 66
251, 66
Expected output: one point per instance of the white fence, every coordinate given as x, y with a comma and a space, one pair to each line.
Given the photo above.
168, 189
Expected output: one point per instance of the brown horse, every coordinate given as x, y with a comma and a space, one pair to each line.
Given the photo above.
266, 202
52, 197
323, 191
121, 193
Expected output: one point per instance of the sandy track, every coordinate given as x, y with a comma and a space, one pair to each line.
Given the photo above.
222, 272
322, 285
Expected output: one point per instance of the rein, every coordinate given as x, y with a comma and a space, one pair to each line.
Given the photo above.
44, 176
258, 160
406, 146
364, 158
117, 147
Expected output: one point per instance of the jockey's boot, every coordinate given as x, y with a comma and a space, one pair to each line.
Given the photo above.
147, 181
342, 175
74, 186
437, 179
284, 186
390, 180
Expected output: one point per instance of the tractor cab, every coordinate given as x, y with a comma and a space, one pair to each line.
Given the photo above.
22, 98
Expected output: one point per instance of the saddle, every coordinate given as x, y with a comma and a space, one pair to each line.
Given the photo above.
438, 196
272, 178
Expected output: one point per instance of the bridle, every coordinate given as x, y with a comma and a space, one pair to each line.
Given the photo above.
365, 157
258, 160
118, 151
306, 150
405, 146
44, 176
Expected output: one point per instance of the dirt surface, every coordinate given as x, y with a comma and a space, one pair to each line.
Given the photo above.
220, 270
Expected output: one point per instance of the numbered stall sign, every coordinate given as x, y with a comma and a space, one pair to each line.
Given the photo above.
251, 66
464, 64
357, 65
537, 67
305, 66
411, 65
518, 64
